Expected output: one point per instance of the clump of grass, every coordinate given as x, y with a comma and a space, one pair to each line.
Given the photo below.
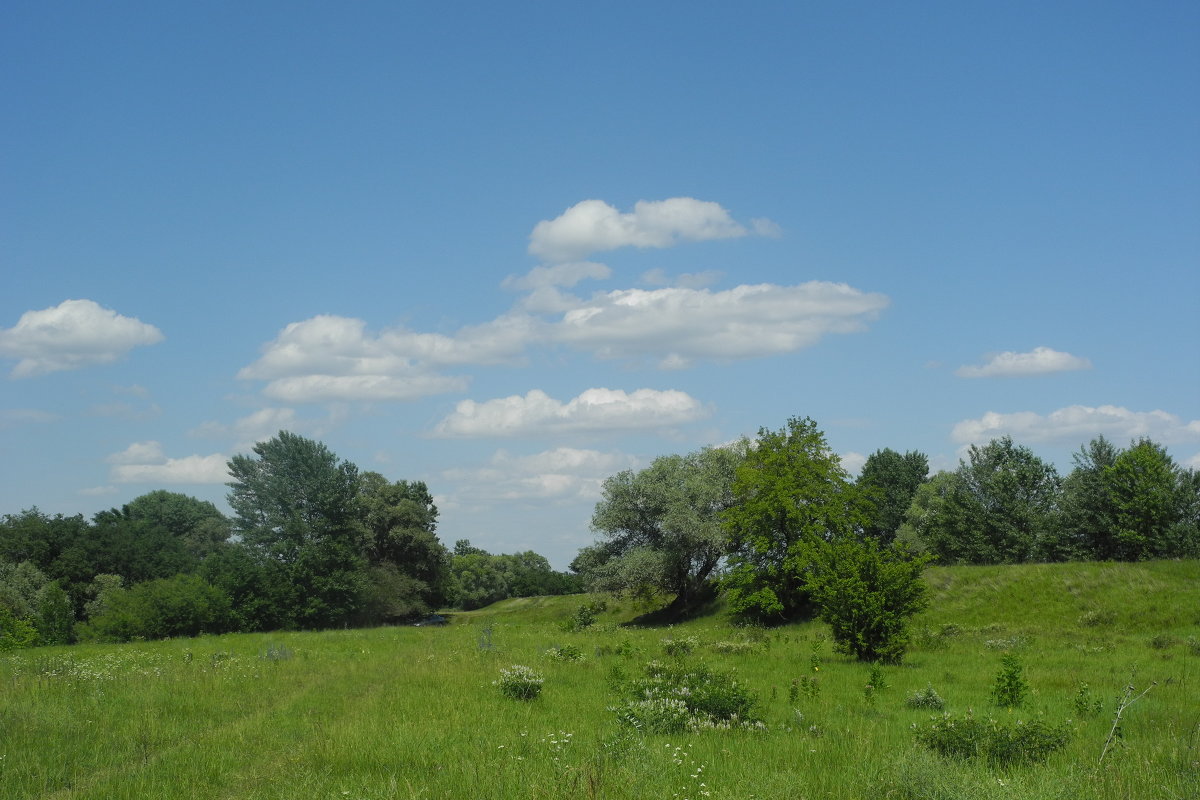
926, 698
520, 682
1097, 617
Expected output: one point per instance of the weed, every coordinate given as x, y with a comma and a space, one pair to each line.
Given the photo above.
585, 615
876, 679
519, 682
1085, 703
1163, 641
709, 699
1010, 688
1097, 617
276, 652
926, 698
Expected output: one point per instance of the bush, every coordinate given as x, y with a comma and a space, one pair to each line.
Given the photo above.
585, 615
181, 606
680, 647
568, 652
867, 594
520, 683
710, 698
15, 632
998, 743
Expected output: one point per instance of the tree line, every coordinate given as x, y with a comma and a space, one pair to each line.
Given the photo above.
777, 524
312, 543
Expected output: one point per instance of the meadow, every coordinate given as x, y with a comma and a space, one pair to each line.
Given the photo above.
415, 712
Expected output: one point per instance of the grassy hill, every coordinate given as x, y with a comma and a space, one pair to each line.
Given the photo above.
416, 712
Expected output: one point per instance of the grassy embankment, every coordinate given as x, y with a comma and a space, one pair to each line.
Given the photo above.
413, 712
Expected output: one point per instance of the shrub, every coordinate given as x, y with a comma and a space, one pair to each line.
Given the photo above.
999, 743
926, 698
181, 606
585, 615
710, 698
680, 647
867, 594
520, 682
1085, 703
568, 652
1010, 688
15, 632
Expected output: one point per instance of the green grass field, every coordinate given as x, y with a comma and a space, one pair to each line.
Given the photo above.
414, 713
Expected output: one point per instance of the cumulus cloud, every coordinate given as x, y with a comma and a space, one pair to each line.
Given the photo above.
145, 462
329, 358
536, 413
564, 474
73, 334
678, 324
593, 226
1078, 424
1039, 361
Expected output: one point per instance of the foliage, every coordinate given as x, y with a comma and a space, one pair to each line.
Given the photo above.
479, 578
181, 606
677, 648
662, 526
295, 504
790, 492
196, 523
566, 652
585, 615
520, 682
1000, 744
15, 632
1010, 688
890, 480
998, 507
55, 617
867, 593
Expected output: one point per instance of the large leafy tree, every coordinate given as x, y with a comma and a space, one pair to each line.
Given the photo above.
661, 527
790, 491
200, 526
295, 503
890, 481
1152, 503
410, 568
1086, 517
998, 508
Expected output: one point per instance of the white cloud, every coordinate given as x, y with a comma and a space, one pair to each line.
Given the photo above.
537, 413
679, 324
593, 226
1078, 424
1193, 462
852, 462
328, 358
73, 334
145, 462
1040, 361
567, 274
252, 428
564, 474
139, 453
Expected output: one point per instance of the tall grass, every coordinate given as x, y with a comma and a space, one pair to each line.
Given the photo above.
414, 712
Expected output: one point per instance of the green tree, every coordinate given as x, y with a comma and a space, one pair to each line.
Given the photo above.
917, 531
55, 615
199, 526
184, 605
790, 491
867, 593
998, 509
662, 526
1150, 499
295, 503
890, 481
1086, 523
401, 519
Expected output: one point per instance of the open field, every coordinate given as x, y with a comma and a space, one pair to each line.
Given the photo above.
414, 713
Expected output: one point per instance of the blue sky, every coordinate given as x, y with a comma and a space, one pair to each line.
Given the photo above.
510, 249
